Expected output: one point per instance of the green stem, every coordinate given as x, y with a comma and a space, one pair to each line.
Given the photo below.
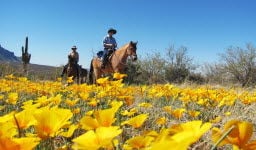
18, 126
222, 138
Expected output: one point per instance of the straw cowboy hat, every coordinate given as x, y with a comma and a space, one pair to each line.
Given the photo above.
112, 30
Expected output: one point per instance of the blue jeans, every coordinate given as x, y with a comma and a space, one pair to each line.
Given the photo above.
105, 57
105, 53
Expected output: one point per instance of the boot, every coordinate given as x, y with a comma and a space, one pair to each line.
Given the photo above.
103, 63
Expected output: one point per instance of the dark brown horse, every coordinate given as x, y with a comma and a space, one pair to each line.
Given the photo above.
83, 75
116, 63
72, 69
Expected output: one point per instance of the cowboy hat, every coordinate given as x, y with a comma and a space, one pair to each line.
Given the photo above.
112, 30
74, 47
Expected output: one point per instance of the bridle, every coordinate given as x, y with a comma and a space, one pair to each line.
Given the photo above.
133, 56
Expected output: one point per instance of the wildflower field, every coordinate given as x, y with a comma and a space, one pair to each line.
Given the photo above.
47, 115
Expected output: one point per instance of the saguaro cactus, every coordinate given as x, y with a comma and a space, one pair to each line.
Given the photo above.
25, 56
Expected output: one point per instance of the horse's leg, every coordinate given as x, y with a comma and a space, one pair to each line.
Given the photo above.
97, 74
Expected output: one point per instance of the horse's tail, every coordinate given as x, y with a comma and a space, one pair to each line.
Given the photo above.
91, 73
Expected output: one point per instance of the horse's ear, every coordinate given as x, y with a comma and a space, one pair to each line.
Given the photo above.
135, 43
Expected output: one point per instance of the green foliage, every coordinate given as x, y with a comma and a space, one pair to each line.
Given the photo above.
240, 63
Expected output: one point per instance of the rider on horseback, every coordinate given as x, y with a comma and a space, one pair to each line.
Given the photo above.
74, 56
109, 44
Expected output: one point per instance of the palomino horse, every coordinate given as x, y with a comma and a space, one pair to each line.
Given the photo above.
72, 69
116, 63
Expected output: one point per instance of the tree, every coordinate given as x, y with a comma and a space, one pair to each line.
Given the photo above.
153, 69
214, 73
240, 63
133, 71
179, 64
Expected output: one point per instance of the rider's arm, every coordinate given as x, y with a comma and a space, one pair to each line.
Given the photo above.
106, 44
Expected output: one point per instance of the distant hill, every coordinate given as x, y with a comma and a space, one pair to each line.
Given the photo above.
35, 71
8, 56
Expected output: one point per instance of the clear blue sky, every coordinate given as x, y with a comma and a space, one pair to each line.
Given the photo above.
205, 27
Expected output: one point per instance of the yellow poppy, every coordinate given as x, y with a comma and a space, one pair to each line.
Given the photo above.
71, 103
161, 121
8, 129
102, 137
178, 113
56, 99
216, 119
146, 105
103, 81
180, 136
193, 130
193, 113
167, 109
167, 144
25, 118
228, 113
103, 118
89, 113
23, 79
10, 76
239, 136
136, 121
70, 131
106, 117
76, 111
88, 123
18, 143
116, 104
1, 96
50, 120
138, 142
130, 112
70, 79
12, 98
119, 76
29, 105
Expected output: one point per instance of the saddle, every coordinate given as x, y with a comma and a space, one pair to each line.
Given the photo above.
100, 54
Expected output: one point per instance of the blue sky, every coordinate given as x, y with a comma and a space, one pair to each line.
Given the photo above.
205, 27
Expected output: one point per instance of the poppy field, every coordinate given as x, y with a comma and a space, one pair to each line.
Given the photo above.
48, 115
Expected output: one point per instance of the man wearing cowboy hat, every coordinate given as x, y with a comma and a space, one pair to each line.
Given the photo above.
74, 56
109, 44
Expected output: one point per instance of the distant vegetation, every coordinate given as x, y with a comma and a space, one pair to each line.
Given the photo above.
237, 65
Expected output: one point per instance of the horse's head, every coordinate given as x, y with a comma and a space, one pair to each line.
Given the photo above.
131, 50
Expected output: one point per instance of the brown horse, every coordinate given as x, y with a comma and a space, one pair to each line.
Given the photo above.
83, 75
116, 63
72, 69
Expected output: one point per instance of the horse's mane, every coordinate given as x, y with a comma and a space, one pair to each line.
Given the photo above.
124, 47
